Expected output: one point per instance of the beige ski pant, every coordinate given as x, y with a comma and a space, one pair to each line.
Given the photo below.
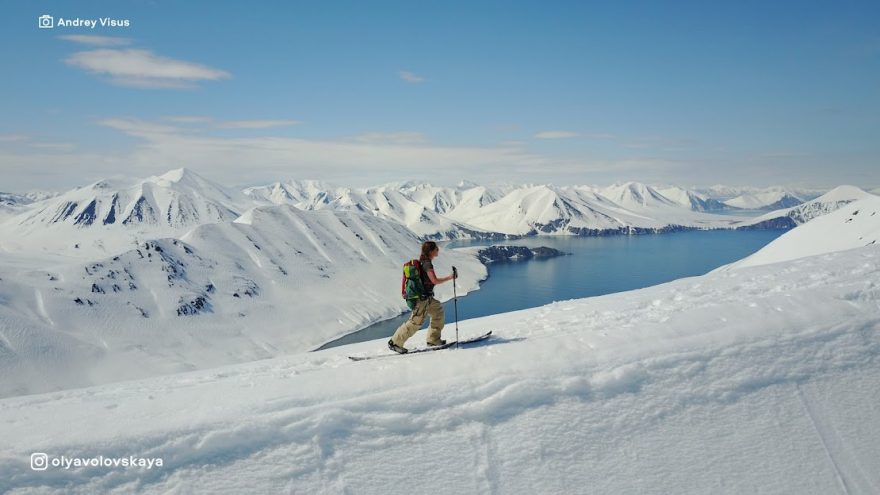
426, 307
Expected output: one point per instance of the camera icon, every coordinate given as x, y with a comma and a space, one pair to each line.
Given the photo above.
46, 21
39, 461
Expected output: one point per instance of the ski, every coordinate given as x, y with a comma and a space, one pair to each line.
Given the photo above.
426, 349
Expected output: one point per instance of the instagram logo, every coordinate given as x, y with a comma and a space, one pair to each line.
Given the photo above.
39, 461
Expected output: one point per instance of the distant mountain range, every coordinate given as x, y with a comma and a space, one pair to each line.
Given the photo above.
111, 215
124, 279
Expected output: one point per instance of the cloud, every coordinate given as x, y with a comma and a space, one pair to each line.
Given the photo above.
10, 138
230, 124
782, 154
402, 137
140, 128
255, 124
187, 119
94, 40
366, 159
556, 134
54, 146
161, 147
143, 69
411, 77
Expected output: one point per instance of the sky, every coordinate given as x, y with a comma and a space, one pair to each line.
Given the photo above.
363, 93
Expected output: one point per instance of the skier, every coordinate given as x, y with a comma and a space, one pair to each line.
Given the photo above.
426, 306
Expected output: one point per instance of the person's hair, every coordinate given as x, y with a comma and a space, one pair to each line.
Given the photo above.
428, 247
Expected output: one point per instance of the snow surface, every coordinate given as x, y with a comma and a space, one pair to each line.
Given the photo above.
854, 225
764, 199
751, 380
277, 280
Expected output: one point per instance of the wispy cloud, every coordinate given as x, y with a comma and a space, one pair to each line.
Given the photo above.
402, 137
140, 128
555, 134
95, 40
187, 119
782, 154
599, 135
209, 122
365, 159
143, 69
411, 77
53, 146
255, 124
11, 138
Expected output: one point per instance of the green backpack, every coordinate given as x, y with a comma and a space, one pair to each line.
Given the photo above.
411, 287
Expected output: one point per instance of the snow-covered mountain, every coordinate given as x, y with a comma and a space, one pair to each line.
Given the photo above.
419, 207
13, 200
692, 199
757, 195
852, 225
802, 213
768, 200
13, 203
552, 210
470, 210
636, 196
179, 198
111, 215
275, 281
755, 380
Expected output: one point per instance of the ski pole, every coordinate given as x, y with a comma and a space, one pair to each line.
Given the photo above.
455, 303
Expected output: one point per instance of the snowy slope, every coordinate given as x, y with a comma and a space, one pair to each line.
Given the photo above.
757, 380
13, 200
636, 196
691, 199
852, 226
765, 200
419, 207
750, 193
437, 199
11, 204
275, 281
300, 193
796, 215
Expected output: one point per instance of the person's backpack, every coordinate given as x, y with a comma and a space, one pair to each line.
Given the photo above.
411, 287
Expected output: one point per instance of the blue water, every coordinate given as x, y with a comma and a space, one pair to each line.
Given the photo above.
596, 266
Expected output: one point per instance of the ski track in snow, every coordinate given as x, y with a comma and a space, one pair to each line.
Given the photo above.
823, 435
41, 307
306, 231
